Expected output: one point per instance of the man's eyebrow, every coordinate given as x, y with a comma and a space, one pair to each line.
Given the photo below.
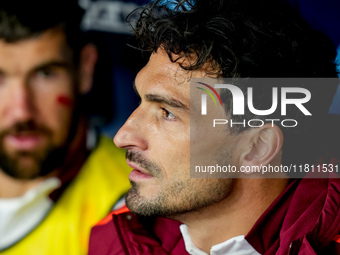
51, 64
170, 101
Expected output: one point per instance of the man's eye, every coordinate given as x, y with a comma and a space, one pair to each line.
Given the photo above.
45, 73
168, 115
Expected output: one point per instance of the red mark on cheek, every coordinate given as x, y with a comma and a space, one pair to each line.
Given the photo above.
65, 101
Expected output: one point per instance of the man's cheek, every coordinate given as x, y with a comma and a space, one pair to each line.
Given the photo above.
65, 101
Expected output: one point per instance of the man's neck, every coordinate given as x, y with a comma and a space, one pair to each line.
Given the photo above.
11, 187
235, 215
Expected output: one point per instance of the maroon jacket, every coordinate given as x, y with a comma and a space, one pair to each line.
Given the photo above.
304, 220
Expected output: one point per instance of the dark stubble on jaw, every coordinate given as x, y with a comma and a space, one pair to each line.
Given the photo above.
177, 198
133, 200
43, 161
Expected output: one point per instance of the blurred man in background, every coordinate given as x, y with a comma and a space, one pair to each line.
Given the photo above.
57, 175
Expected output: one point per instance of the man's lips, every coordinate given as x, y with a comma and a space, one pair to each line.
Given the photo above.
24, 141
137, 173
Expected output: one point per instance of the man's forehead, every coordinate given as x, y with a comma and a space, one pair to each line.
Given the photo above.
163, 86
163, 67
48, 46
162, 72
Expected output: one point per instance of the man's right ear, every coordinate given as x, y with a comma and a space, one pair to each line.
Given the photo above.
264, 146
88, 60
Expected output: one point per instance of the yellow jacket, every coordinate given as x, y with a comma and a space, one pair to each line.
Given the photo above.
65, 231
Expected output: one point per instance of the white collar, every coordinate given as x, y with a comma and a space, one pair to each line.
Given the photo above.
237, 245
19, 215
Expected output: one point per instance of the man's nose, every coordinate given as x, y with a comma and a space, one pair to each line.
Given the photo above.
132, 133
20, 102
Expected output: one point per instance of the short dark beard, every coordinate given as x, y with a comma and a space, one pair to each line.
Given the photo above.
43, 161
42, 165
177, 198
188, 201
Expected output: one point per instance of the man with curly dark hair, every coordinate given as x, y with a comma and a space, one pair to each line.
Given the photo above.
230, 215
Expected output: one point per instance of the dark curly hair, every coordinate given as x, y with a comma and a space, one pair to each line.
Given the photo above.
241, 39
